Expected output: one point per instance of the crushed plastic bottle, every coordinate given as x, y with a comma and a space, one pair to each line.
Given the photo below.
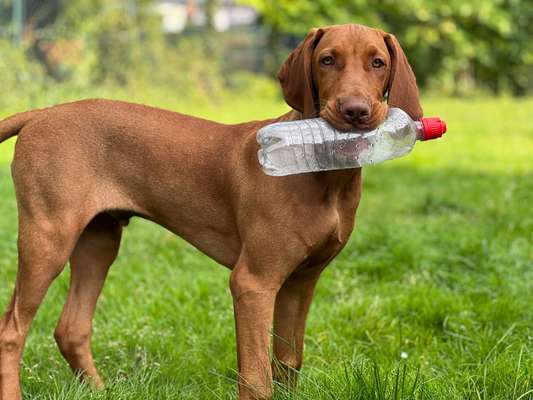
314, 145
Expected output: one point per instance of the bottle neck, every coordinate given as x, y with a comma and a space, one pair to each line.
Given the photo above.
419, 130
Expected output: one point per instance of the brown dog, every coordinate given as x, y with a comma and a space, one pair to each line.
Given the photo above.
81, 170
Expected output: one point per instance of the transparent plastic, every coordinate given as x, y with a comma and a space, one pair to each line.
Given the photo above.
314, 145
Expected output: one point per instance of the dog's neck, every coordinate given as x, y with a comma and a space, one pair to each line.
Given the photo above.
292, 115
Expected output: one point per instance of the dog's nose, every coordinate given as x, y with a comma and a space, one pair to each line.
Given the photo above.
354, 110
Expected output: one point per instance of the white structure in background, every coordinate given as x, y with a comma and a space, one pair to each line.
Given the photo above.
176, 14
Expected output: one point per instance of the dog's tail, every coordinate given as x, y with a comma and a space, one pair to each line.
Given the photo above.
11, 126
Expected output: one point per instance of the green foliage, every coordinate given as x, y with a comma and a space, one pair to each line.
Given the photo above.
119, 39
19, 73
456, 47
453, 45
103, 44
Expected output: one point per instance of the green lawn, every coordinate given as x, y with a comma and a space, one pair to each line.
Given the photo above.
432, 298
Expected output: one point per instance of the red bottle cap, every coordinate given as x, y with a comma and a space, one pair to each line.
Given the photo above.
433, 128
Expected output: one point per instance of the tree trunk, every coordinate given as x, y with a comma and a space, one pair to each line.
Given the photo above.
211, 7
273, 61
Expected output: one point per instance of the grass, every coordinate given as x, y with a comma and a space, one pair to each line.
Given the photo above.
431, 299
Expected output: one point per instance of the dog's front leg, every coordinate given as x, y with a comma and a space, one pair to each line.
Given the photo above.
254, 295
290, 314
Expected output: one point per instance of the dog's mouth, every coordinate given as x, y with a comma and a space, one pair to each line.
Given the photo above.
377, 115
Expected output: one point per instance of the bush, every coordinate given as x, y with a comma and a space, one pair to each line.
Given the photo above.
20, 74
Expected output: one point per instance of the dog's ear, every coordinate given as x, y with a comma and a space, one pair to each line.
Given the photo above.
296, 76
401, 88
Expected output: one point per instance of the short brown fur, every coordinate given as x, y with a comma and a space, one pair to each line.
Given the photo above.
81, 170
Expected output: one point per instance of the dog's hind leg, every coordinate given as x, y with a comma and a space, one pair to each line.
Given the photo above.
94, 253
44, 245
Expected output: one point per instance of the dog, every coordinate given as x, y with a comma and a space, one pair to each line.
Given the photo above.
82, 170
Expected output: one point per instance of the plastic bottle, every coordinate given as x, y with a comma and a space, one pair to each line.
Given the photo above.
314, 145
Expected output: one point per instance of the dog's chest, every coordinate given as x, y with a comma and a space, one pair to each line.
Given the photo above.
329, 233
337, 221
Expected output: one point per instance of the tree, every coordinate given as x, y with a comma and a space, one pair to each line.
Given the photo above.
450, 44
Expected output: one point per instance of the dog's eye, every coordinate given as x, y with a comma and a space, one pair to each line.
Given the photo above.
328, 60
378, 63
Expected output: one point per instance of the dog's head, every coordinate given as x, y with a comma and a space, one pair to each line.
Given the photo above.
344, 72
